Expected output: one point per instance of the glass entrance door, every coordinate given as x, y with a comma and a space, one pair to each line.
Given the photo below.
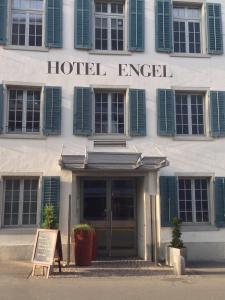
110, 206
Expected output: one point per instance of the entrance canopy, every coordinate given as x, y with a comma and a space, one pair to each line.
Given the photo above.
120, 161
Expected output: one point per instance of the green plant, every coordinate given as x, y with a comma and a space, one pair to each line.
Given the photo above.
49, 220
176, 234
83, 227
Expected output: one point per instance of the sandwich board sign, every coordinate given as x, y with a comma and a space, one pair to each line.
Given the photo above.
47, 247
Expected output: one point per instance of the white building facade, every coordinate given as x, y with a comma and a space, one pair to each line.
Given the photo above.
120, 104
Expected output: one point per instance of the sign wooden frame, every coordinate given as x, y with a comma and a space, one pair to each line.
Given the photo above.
54, 251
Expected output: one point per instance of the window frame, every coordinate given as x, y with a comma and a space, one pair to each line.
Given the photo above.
9, 29
186, 21
189, 94
109, 111
209, 198
109, 16
203, 26
19, 86
21, 193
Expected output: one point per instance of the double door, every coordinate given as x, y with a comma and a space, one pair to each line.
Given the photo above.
110, 206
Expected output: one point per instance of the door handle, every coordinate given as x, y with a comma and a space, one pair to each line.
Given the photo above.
110, 222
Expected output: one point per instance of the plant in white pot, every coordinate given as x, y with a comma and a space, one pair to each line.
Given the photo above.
176, 247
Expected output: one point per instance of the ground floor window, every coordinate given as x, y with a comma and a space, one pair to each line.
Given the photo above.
20, 201
193, 200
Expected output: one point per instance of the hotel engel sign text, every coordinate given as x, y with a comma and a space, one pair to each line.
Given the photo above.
97, 69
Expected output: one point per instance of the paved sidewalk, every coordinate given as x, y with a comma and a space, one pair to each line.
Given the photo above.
135, 280
113, 268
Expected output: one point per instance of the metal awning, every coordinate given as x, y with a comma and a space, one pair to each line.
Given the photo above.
120, 161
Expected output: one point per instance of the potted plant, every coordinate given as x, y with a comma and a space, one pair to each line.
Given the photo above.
49, 220
83, 249
176, 247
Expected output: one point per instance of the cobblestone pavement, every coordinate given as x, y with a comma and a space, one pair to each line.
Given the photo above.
109, 268
114, 268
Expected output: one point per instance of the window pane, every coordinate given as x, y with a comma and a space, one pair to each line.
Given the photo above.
15, 113
18, 29
117, 115
185, 200
35, 30
101, 113
30, 201
33, 111
11, 208
181, 114
197, 114
179, 36
194, 37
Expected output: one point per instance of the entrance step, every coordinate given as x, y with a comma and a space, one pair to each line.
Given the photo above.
109, 267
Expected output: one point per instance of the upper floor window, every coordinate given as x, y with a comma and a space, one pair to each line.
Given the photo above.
27, 23
189, 114
20, 201
191, 28
109, 112
109, 26
187, 29
193, 200
23, 113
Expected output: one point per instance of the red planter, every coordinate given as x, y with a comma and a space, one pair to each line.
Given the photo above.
94, 245
83, 247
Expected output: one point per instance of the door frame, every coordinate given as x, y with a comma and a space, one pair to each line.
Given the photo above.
109, 180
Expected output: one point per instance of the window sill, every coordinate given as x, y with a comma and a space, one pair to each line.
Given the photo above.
190, 55
23, 48
19, 229
198, 227
22, 136
104, 52
192, 138
110, 137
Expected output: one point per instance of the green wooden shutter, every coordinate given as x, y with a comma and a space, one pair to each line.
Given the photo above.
166, 112
1, 107
52, 110
220, 201
136, 25
83, 24
168, 199
53, 30
215, 31
163, 26
3, 21
51, 194
137, 112
82, 120
217, 104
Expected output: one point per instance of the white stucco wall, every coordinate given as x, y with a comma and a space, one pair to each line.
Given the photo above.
40, 156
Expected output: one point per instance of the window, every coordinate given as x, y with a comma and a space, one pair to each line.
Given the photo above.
189, 114
109, 26
187, 29
23, 114
27, 23
193, 200
109, 112
20, 201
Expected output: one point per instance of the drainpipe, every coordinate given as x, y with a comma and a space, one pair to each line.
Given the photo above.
69, 232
